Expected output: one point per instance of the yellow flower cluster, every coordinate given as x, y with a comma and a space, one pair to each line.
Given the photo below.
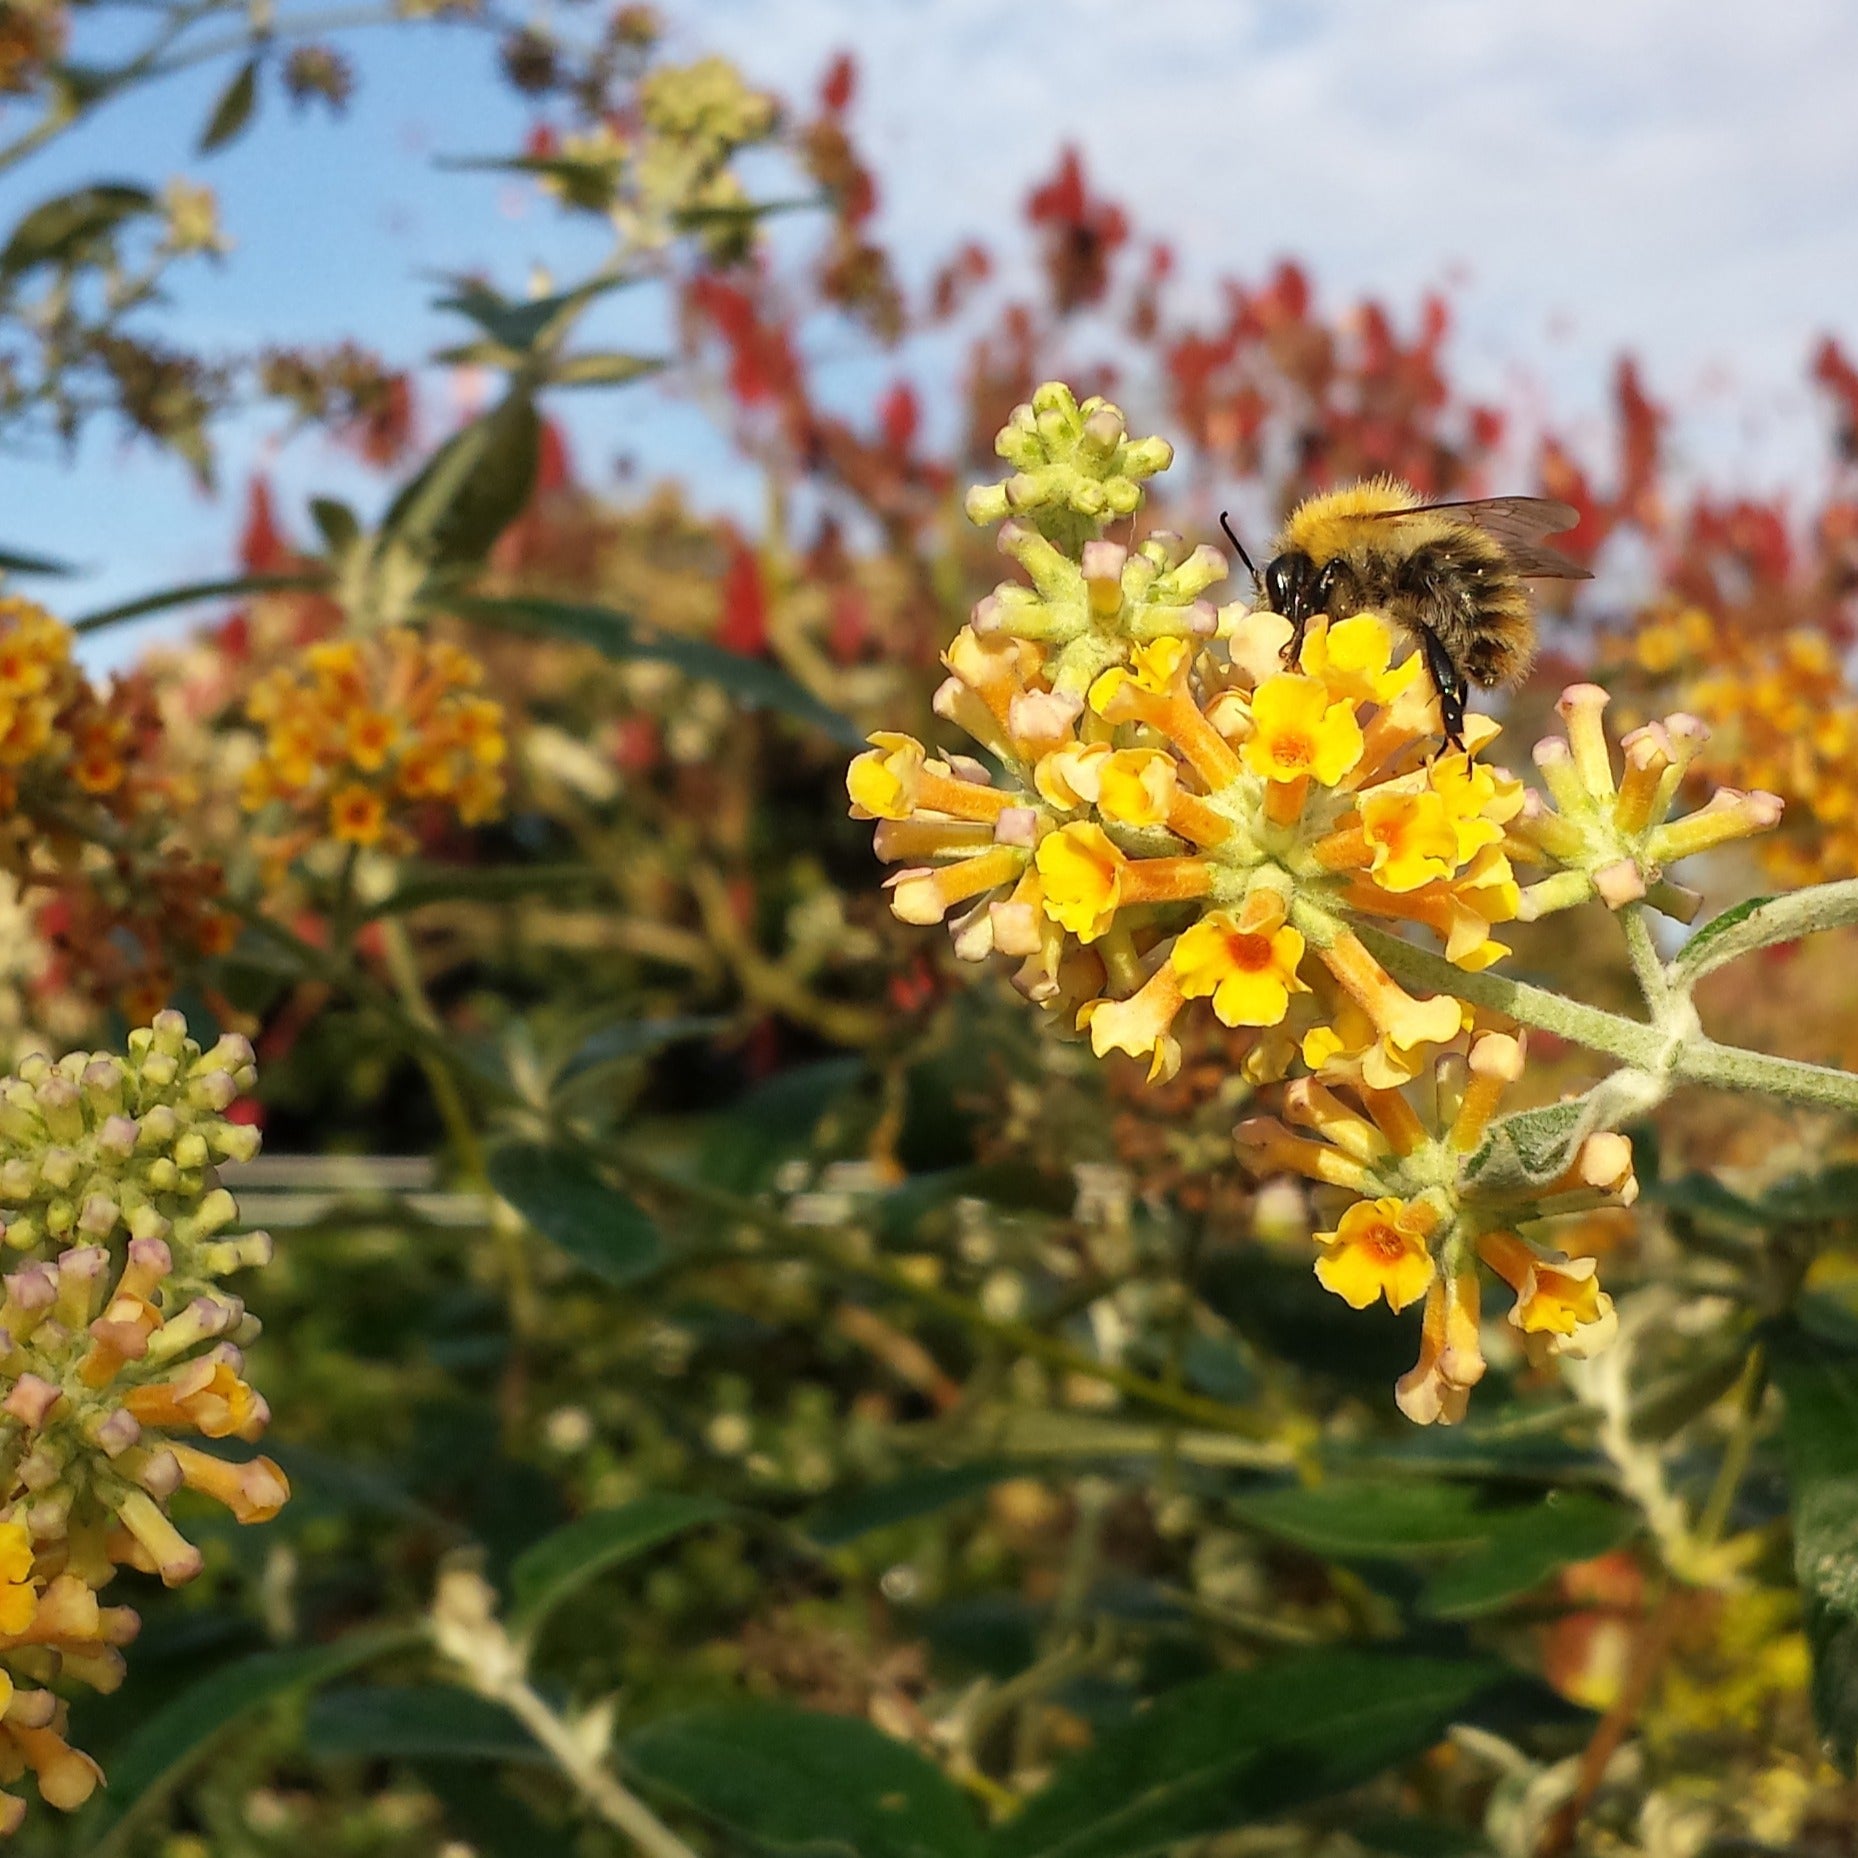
1179, 816
37, 679
368, 729
117, 1347
1430, 1206
1786, 721
1172, 812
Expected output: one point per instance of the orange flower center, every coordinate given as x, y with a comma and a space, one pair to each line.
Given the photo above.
1387, 1245
1293, 750
1250, 954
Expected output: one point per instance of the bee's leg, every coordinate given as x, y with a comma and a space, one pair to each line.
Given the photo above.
1448, 683
1292, 654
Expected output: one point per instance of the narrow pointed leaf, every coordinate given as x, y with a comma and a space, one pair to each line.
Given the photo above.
1818, 1379
414, 1722
567, 1202
232, 114
799, 1782
564, 1562
167, 1744
1231, 1750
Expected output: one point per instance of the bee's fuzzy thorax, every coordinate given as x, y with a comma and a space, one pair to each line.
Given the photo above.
1328, 524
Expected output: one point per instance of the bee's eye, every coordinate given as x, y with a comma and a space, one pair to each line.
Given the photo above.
1327, 584
1280, 579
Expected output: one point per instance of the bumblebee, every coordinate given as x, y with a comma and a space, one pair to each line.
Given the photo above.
1450, 574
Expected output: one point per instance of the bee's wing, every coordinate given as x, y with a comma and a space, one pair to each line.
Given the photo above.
1518, 525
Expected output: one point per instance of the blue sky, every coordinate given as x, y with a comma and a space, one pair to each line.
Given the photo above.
1667, 175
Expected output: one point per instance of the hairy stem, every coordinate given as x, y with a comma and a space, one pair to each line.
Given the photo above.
1685, 1056
618, 1805
1780, 919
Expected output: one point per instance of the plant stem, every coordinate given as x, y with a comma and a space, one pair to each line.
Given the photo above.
1751, 1390
1683, 1056
618, 1805
1631, 1041
1647, 965
454, 1111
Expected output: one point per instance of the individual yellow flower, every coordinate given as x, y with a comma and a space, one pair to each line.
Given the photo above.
1135, 786
1140, 1024
1083, 877
1479, 800
1300, 731
1157, 668
884, 782
1378, 1250
1559, 1299
371, 736
1352, 657
357, 815
1413, 838
1249, 977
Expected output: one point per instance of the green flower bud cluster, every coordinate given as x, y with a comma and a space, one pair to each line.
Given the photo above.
705, 103
1091, 611
1076, 469
696, 118
116, 1347
1615, 839
96, 1148
114, 1334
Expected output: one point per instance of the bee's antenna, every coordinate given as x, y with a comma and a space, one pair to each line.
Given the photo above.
1236, 543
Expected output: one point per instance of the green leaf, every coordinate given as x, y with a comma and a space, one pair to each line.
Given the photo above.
1244, 1746
168, 1743
1818, 1380
484, 1814
751, 681
12, 561
1494, 1552
1704, 1197
639, 1038
1400, 1835
196, 591
1691, 958
414, 1722
1666, 1403
1525, 1546
801, 1782
1010, 1184
233, 112
1532, 1147
564, 1562
844, 1517
1370, 1518
604, 369
61, 229
337, 524
1812, 1199
568, 1203
471, 489
1277, 1305
519, 326
774, 1121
